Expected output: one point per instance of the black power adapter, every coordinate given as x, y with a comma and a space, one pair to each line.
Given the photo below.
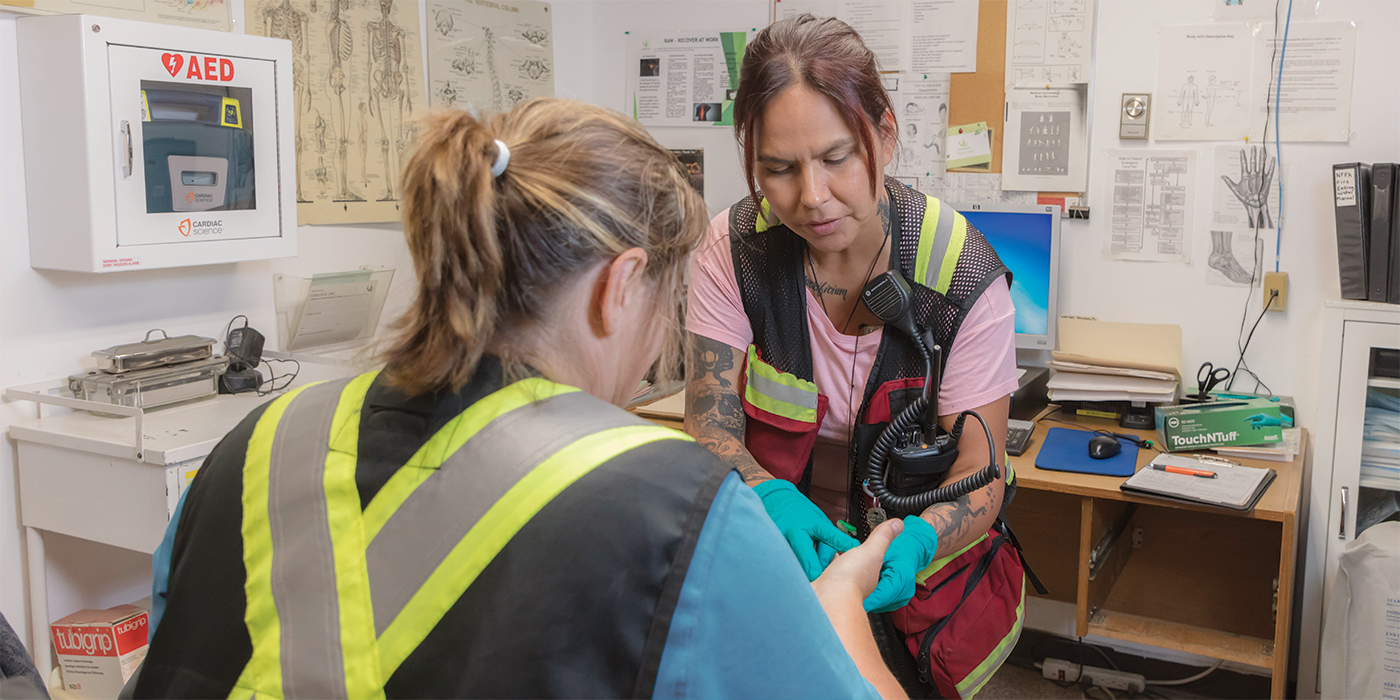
244, 347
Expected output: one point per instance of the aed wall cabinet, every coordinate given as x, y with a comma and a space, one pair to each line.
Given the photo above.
149, 146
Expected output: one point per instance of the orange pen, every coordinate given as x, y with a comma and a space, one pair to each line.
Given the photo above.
1184, 470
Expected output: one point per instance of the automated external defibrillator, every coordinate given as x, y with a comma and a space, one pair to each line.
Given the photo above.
911, 457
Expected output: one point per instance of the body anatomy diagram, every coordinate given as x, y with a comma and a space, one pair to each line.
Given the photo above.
490, 57
356, 84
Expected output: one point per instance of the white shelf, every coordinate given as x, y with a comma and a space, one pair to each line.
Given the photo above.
169, 435
1383, 382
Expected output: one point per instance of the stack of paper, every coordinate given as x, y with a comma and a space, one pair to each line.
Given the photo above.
1103, 361
1274, 451
1380, 440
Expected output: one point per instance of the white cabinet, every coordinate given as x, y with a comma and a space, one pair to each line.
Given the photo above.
1357, 339
153, 146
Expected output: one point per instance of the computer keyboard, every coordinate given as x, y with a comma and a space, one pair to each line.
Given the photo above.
1018, 436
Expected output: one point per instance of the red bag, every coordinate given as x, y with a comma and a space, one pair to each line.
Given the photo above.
965, 618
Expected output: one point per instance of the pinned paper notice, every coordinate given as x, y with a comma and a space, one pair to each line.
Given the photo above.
969, 145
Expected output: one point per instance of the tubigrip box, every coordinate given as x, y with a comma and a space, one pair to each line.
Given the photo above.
1219, 424
98, 650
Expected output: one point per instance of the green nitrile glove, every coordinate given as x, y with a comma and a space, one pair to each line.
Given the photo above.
803, 525
1260, 420
911, 552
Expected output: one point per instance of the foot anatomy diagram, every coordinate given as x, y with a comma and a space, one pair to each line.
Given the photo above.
1222, 258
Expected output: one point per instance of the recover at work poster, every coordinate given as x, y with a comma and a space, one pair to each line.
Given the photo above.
684, 78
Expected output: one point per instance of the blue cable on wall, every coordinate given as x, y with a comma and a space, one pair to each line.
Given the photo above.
1278, 141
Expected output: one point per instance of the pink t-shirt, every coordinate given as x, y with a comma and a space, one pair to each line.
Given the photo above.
981, 364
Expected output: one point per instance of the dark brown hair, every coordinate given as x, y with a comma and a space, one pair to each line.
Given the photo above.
826, 56
583, 185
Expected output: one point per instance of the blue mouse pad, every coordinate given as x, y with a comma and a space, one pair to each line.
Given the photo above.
1066, 450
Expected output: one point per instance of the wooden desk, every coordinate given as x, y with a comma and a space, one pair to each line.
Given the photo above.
1181, 576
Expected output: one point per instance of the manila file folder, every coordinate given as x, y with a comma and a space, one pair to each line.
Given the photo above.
1150, 346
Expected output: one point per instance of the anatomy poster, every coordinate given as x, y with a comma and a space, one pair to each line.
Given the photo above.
1203, 83
1245, 198
1048, 42
200, 14
356, 87
1044, 148
921, 108
485, 54
684, 78
1151, 196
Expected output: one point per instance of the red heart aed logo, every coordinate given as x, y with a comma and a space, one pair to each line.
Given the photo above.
172, 62
185, 228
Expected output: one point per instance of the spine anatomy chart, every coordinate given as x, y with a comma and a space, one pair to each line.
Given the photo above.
489, 55
356, 81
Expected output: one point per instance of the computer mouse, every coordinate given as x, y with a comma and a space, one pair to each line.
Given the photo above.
1103, 446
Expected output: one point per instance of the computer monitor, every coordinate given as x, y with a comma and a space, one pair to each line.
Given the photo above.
1027, 238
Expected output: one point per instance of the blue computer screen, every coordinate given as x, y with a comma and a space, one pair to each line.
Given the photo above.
1022, 240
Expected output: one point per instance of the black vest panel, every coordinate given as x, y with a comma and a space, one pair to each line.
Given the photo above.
577, 604
772, 285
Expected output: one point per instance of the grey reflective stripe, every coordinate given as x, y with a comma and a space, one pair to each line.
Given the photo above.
782, 392
441, 510
942, 236
303, 555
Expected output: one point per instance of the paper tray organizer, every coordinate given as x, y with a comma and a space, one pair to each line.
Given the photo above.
330, 310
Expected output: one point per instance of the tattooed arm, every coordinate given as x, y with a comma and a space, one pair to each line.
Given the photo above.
714, 415
960, 522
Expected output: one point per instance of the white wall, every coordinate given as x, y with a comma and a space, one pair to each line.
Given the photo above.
1286, 348
724, 178
50, 321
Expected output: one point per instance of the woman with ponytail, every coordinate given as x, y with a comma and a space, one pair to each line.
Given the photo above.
480, 518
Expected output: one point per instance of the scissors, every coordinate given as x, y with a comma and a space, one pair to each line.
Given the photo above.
1208, 377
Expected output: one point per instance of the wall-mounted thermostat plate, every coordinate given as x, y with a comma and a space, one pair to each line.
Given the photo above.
150, 146
1133, 116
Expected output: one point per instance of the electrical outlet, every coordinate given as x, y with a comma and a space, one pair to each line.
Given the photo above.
1276, 282
1066, 672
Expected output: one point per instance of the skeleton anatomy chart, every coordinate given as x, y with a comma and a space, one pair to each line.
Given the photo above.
356, 81
489, 55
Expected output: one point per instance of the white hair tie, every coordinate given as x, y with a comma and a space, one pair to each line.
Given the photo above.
502, 159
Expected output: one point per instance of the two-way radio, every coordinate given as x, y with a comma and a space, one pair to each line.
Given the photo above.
912, 454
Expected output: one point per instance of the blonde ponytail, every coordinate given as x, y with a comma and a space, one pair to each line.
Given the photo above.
583, 185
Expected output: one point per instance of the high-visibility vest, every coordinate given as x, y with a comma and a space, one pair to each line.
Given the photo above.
337, 597
948, 265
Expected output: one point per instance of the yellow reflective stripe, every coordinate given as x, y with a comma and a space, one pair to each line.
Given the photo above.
928, 230
940, 563
343, 515
764, 211
241, 693
485, 540
448, 440
777, 392
263, 673
950, 258
979, 676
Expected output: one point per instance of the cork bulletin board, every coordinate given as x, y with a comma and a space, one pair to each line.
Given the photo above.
981, 96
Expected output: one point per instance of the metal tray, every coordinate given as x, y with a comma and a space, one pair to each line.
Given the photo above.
149, 353
149, 388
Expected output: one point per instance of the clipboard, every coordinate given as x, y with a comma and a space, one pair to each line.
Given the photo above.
1236, 487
